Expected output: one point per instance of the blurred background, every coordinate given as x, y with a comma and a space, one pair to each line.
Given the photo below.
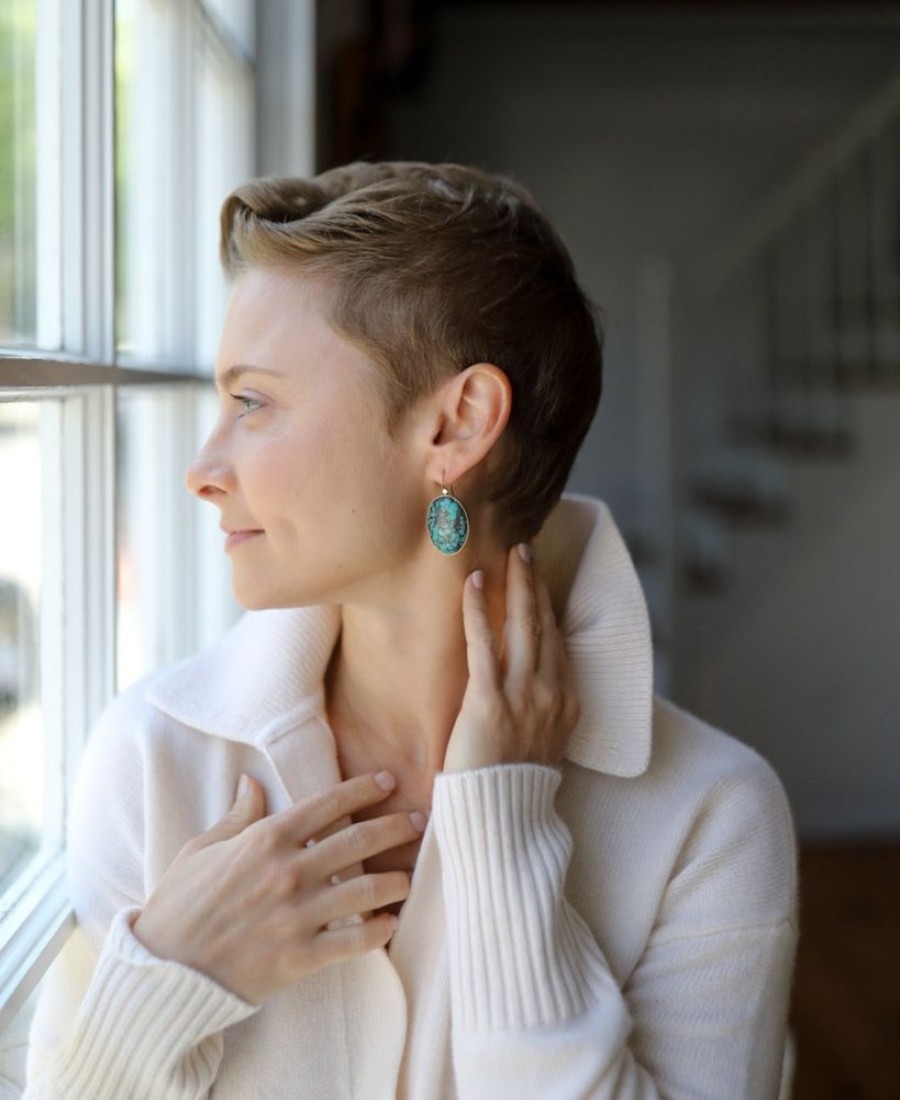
727, 177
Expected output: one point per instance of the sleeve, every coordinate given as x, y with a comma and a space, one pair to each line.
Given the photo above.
112, 1020
144, 1027
536, 1009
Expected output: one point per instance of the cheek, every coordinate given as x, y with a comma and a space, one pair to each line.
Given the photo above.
304, 476
334, 473
268, 477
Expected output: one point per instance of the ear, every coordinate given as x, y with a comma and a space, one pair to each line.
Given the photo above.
469, 414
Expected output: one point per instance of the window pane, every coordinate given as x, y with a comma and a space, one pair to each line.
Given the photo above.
224, 127
152, 88
167, 607
150, 515
25, 809
184, 125
17, 171
236, 20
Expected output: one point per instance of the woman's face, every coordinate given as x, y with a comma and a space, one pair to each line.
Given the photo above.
320, 504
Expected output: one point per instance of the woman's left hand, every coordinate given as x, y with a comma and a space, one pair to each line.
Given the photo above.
519, 707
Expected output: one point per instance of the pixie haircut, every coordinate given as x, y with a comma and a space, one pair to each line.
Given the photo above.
431, 268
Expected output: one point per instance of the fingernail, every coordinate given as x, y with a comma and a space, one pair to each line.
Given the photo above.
478, 578
525, 552
419, 820
312, 840
243, 787
335, 880
385, 780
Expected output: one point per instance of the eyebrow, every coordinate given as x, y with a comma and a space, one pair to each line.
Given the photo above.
229, 377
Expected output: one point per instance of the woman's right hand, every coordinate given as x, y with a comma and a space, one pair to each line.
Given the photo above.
248, 902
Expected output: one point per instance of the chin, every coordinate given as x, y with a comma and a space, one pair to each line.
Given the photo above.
253, 604
254, 597
261, 598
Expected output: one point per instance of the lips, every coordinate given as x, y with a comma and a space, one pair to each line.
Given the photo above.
236, 535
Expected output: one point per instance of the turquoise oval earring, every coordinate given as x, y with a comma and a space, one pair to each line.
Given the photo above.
447, 522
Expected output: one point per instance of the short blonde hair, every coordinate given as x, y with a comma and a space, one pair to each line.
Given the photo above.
435, 267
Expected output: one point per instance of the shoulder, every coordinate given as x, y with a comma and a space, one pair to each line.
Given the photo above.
112, 751
708, 824
737, 829
144, 768
694, 756
115, 755
145, 784
106, 819
128, 715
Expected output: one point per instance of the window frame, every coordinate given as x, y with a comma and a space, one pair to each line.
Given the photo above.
76, 288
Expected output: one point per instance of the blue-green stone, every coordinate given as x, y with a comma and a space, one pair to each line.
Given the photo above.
448, 524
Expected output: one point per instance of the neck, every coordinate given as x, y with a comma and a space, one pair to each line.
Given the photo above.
399, 670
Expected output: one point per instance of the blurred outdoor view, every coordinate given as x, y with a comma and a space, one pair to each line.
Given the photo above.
21, 732
21, 738
17, 172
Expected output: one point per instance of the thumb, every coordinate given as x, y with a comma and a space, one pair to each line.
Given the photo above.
249, 805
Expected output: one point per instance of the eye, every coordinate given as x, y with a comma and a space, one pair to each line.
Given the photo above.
250, 404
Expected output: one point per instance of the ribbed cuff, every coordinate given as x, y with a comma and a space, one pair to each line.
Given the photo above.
148, 1027
519, 954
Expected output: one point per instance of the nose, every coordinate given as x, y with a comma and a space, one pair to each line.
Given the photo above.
210, 475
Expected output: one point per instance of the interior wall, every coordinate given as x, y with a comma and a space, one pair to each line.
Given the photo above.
338, 22
641, 136
800, 656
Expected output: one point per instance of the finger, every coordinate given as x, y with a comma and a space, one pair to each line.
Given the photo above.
567, 682
312, 816
359, 895
249, 806
522, 630
481, 645
564, 666
340, 944
362, 840
548, 652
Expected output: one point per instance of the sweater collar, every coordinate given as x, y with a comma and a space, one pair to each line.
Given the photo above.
265, 676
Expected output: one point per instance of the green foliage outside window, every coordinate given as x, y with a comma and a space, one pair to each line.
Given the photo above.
17, 171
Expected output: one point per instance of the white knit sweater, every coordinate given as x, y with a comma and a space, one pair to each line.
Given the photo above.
620, 929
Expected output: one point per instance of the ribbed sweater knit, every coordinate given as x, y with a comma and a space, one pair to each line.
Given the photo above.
620, 928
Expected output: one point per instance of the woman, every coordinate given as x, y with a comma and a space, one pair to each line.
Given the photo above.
470, 854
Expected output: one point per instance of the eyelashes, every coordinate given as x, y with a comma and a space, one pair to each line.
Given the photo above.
250, 404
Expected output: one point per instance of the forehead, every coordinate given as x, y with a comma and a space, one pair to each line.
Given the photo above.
268, 301
279, 321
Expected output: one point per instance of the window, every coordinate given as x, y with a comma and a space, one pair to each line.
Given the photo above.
123, 123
